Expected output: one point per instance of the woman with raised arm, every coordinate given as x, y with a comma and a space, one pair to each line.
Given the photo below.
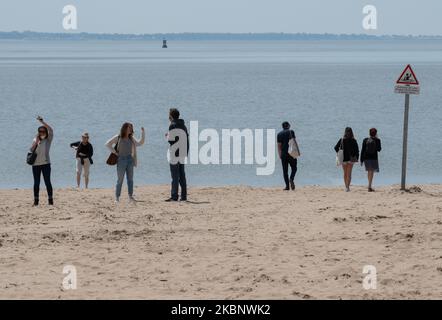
42, 164
124, 146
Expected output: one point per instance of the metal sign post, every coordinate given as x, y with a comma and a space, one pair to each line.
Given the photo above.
406, 84
405, 142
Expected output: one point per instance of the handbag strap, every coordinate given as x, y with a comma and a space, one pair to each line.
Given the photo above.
34, 149
116, 145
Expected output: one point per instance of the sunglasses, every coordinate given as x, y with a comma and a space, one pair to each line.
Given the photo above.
41, 131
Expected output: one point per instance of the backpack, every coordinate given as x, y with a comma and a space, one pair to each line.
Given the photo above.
371, 146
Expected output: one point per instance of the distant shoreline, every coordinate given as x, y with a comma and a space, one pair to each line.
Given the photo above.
411, 188
31, 35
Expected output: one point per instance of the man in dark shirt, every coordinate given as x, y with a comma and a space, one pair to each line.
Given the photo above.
177, 130
286, 159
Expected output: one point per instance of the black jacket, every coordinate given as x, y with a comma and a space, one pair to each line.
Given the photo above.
85, 149
179, 124
351, 149
367, 156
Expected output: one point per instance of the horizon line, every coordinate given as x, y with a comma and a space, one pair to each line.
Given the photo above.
77, 34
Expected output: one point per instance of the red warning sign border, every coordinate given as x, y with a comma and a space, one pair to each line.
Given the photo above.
408, 83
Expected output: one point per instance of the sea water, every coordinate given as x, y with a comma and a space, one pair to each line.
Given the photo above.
320, 87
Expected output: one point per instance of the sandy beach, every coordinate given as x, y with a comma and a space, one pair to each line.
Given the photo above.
228, 243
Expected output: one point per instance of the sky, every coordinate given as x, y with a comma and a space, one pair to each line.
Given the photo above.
174, 16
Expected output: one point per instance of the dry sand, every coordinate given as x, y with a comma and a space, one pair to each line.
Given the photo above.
230, 243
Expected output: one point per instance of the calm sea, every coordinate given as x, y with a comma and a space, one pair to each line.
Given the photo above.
320, 87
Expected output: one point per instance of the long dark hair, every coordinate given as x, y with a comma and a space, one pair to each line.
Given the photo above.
349, 133
124, 128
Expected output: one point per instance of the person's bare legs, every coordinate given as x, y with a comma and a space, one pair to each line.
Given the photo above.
86, 182
370, 175
78, 179
345, 174
350, 170
344, 168
348, 167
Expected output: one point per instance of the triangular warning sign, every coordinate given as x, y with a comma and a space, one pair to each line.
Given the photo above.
408, 77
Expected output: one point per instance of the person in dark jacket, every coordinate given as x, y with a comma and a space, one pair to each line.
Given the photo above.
283, 139
178, 138
83, 155
371, 146
351, 155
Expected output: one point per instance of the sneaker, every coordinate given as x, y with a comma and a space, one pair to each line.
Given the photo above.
51, 202
370, 190
286, 189
347, 190
171, 200
35, 203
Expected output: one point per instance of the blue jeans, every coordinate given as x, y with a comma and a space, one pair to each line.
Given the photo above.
37, 171
178, 179
125, 165
286, 161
